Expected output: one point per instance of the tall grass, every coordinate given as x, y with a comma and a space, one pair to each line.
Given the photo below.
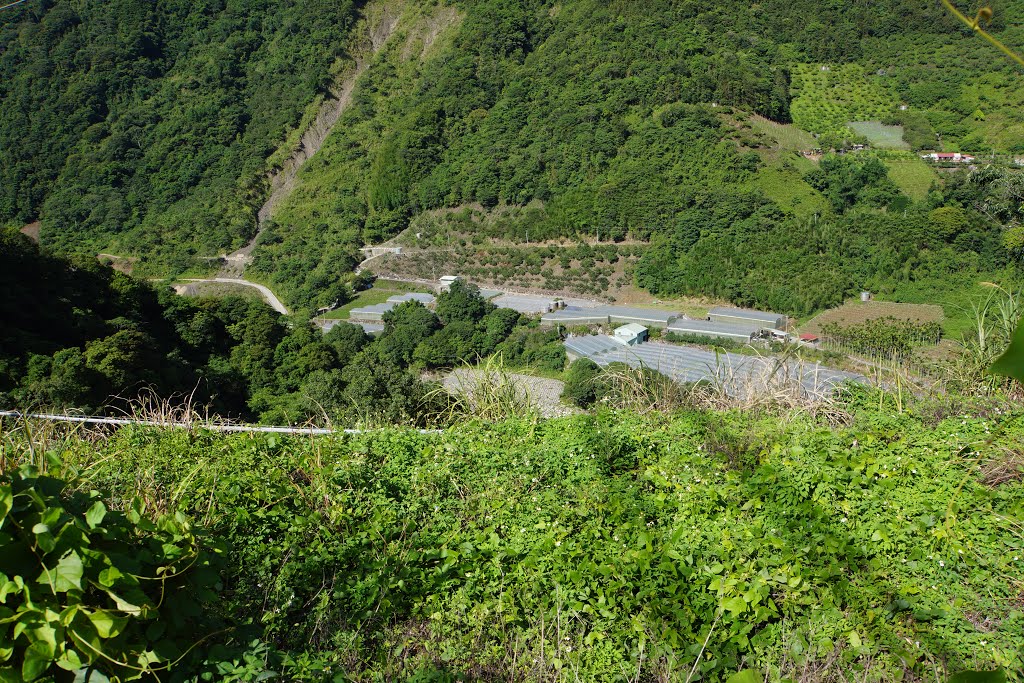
641, 390
487, 391
779, 385
993, 321
776, 386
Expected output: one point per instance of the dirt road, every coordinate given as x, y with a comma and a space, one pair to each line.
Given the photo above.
270, 297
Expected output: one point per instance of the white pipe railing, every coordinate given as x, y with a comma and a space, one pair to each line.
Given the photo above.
191, 424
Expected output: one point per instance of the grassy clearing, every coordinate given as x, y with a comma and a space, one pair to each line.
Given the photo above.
912, 175
880, 135
381, 291
222, 289
783, 183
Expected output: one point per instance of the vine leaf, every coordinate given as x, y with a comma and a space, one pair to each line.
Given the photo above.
107, 625
1011, 363
94, 515
38, 656
67, 574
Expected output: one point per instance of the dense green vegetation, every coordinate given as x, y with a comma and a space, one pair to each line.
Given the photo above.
746, 251
125, 592
146, 128
607, 119
596, 547
617, 147
80, 335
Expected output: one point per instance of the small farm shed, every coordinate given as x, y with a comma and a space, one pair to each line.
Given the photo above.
446, 281
631, 334
715, 330
743, 316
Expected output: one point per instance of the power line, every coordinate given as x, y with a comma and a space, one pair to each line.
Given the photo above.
12, 4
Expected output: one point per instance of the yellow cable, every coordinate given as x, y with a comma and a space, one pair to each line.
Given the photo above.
975, 25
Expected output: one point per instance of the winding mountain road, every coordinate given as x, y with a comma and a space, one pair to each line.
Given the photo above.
270, 297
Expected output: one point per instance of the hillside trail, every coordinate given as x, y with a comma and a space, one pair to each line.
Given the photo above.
378, 30
268, 295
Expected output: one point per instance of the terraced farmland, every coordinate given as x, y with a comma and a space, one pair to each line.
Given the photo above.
787, 136
825, 101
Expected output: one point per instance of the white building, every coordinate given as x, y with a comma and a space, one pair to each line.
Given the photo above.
446, 281
631, 334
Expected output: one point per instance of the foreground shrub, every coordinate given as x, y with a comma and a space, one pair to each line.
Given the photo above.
88, 591
607, 547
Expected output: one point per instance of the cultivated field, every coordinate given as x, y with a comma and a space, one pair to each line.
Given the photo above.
912, 175
788, 137
853, 312
825, 101
880, 135
589, 270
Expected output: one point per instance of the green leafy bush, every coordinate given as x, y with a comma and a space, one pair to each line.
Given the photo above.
84, 588
581, 383
606, 542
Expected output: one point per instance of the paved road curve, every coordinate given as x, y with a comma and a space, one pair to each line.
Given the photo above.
274, 302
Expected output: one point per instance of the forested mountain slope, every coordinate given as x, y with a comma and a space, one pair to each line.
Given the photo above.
600, 117
154, 126
147, 126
